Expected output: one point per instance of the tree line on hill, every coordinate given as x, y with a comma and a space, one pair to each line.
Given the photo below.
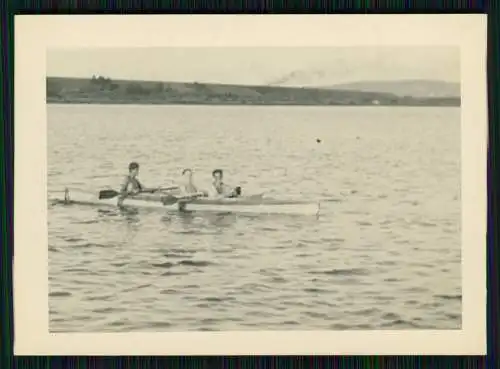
99, 89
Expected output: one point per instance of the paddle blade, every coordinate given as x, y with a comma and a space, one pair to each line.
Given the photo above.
169, 200
107, 194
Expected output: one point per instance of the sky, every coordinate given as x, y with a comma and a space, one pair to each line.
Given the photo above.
256, 66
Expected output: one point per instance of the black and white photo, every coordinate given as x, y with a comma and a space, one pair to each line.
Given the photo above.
213, 187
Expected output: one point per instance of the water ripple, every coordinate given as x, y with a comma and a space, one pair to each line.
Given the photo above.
163, 265
449, 297
343, 272
198, 263
384, 254
59, 294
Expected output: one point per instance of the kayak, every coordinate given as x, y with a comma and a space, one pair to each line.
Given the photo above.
254, 206
245, 204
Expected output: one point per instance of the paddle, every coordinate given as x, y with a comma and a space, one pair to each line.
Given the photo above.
109, 194
171, 199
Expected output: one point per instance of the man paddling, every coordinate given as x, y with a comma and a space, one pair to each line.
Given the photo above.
220, 188
131, 184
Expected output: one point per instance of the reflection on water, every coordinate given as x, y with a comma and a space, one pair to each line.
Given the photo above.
385, 254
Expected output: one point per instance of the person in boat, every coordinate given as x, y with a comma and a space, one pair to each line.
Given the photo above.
220, 188
188, 186
131, 184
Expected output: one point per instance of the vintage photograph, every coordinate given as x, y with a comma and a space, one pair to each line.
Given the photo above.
241, 185
254, 188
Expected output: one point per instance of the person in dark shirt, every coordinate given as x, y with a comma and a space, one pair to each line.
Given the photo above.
131, 184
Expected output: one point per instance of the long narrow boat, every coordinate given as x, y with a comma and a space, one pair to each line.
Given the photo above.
246, 205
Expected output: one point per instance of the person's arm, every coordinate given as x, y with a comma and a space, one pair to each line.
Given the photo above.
144, 188
227, 191
213, 192
141, 187
123, 191
124, 185
184, 190
197, 190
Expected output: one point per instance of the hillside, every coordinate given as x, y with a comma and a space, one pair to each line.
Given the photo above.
414, 88
103, 90
403, 87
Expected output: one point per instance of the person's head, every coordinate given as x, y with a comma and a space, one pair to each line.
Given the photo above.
188, 173
217, 174
133, 169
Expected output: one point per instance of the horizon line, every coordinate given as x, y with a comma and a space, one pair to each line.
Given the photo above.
258, 85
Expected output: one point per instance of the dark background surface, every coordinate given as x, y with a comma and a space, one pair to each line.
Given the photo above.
10, 8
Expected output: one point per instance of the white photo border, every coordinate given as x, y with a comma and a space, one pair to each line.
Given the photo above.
35, 34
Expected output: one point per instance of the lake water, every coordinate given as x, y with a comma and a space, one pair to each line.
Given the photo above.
385, 253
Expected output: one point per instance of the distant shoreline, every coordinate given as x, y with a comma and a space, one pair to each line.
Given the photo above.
145, 103
104, 91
